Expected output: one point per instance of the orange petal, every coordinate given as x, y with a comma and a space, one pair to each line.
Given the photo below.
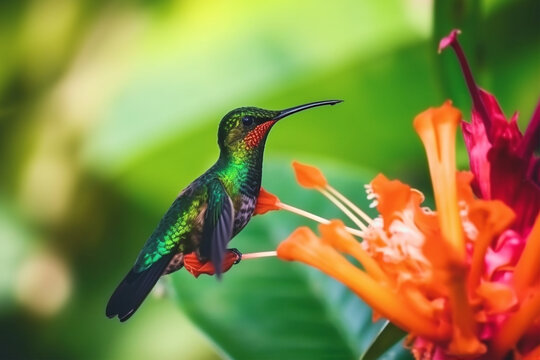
309, 176
517, 324
334, 233
418, 299
392, 197
437, 130
490, 219
266, 202
304, 246
497, 297
194, 266
464, 339
464, 179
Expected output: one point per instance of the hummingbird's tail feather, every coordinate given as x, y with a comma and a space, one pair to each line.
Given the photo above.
134, 288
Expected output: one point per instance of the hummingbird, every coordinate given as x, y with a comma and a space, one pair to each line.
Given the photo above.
210, 211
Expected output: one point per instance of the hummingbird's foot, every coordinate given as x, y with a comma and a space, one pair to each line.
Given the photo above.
198, 267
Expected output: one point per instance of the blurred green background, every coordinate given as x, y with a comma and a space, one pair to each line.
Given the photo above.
109, 108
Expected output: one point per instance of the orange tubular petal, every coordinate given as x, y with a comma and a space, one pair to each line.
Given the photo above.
464, 340
195, 267
266, 202
490, 219
437, 130
304, 246
497, 297
527, 270
309, 176
464, 179
417, 299
392, 197
516, 325
335, 234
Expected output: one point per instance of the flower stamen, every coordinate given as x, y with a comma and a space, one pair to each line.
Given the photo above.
343, 208
316, 218
312, 178
267, 201
257, 255
350, 204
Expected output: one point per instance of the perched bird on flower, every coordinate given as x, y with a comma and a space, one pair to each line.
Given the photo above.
209, 212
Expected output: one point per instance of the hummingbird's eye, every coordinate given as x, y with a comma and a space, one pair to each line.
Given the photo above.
247, 120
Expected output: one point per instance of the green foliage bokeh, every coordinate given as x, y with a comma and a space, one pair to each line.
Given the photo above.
108, 109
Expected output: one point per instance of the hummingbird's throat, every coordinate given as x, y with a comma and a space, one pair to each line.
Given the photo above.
255, 136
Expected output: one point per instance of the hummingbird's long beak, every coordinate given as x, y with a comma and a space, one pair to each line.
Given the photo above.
295, 109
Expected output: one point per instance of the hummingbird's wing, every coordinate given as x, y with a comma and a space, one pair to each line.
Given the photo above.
218, 225
153, 259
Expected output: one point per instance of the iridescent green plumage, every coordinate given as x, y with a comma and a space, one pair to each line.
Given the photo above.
210, 211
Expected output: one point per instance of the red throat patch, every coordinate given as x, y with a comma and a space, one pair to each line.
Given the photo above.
254, 137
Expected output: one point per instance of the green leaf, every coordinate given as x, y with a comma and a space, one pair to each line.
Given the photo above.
363, 130
184, 81
271, 309
389, 335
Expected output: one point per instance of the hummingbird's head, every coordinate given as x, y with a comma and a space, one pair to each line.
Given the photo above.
247, 127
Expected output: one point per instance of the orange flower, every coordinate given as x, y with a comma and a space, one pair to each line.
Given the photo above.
303, 245
454, 278
309, 176
266, 202
195, 267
